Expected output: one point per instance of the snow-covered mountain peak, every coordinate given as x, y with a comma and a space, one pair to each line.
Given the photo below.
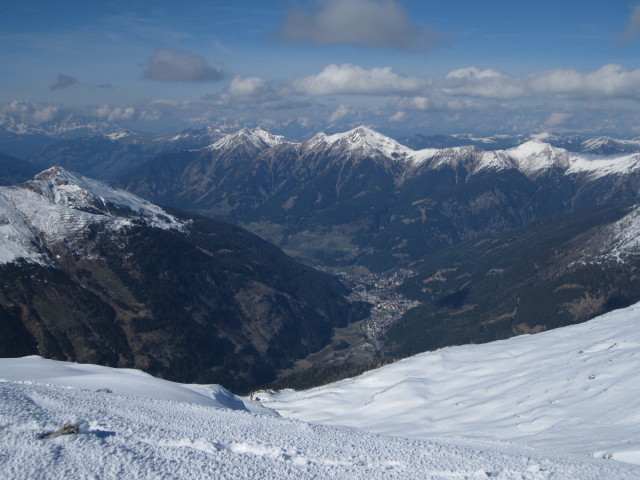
362, 140
257, 138
60, 206
535, 156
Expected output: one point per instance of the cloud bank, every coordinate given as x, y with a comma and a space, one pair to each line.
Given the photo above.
180, 66
367, 23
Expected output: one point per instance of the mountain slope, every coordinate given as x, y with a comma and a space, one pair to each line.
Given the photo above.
122, 437
97, 275
554, 272
573, 390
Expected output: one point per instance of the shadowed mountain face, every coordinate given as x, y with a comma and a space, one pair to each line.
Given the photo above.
95, 275
362, 198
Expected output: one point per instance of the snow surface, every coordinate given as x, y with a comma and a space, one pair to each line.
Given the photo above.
144, 437
574, 390
16, 238
123, 381
117, 135
58, 206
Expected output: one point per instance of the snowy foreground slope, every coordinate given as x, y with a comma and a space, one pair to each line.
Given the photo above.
574, 390
123, 437
556, 400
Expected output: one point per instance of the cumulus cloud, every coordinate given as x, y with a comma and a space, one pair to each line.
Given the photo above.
352, 79
29, 112
176, 65
253, 91
487, 83
114, 114
64, 81
368, 23
249, 87
558, 118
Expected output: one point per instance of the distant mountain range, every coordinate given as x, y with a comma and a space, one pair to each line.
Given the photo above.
363, 198
97, 275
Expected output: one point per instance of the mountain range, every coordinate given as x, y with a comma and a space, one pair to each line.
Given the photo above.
365, 199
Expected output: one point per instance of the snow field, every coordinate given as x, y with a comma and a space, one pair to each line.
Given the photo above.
126, 438
574, 390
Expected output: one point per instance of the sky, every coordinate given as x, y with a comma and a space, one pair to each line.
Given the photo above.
401, 67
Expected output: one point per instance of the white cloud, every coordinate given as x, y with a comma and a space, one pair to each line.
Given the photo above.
45, 113
474, 73
176, 65
609, 81
420, 103
247, 87
339, 113
369, 23
29, 112
352, 79
114, 114
487, 83
252, 92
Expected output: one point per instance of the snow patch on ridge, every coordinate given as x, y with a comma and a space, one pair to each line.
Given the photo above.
259, 138
59, 206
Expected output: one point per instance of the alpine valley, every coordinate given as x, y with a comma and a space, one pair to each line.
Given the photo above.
453, 239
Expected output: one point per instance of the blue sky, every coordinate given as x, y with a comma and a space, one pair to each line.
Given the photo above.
399, 66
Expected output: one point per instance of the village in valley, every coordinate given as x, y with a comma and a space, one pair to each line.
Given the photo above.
378, 289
